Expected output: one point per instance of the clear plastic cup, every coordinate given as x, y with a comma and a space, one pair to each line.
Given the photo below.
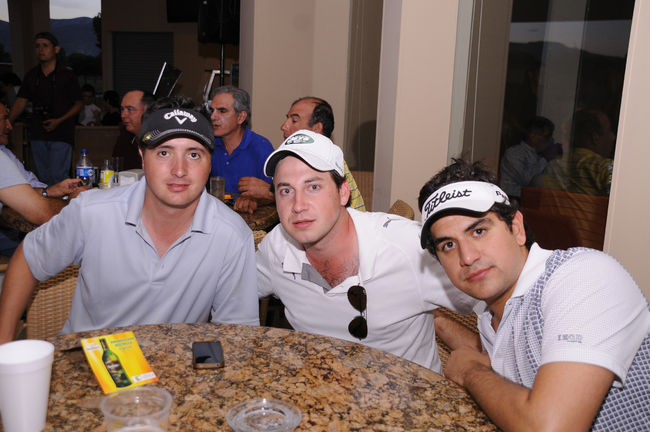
217, 187
264, 414
137, 409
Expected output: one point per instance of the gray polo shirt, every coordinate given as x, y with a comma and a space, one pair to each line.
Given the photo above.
28, 175
122, 280
9, 174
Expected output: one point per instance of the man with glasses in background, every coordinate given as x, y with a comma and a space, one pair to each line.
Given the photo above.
340, 272
134, 105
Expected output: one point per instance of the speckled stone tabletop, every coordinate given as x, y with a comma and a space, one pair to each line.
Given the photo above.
263, 218
337, 385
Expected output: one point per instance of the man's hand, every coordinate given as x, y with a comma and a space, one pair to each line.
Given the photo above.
465, 360
68, 187
245, 204
255, 188
51, 124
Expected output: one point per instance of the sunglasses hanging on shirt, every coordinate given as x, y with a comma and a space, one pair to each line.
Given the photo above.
358, 327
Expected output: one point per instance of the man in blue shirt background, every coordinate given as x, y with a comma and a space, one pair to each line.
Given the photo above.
238, 152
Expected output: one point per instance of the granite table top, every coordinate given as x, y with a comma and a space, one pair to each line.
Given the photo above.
337, 385
263, 218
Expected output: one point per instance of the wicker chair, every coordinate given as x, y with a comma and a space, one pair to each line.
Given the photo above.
258, 235
467, 320
51, 304
401, 208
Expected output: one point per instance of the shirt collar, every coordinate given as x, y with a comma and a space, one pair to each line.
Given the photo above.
202, 215
218, 142
295, 256
533, 269
135, 203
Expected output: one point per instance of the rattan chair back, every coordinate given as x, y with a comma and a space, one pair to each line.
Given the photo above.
50, 305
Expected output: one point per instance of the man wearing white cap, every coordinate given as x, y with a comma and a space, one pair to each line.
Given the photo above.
344, 273
565, 334
159, 251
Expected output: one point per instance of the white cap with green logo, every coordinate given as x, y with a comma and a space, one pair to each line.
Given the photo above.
315, 149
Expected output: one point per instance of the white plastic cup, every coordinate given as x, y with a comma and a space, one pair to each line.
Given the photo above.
137, 409
25, 370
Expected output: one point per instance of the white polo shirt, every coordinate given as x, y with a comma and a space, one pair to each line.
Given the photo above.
403, 282
593, 312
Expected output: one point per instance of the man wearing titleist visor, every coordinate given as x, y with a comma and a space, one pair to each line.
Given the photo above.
344, 273
159, 251
564, 334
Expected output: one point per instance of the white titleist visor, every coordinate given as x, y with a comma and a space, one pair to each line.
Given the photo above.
473, 196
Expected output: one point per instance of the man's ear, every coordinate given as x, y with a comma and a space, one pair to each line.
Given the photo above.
241, 117
57, 49
344, 192
317, 127
518, 228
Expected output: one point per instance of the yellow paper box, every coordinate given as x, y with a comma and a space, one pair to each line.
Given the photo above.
117, 361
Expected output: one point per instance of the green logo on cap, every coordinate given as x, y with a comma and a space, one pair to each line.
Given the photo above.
299, 139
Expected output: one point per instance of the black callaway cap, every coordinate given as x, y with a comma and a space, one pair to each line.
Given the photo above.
166, 123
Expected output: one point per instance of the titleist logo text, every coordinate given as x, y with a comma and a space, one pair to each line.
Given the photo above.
442, 197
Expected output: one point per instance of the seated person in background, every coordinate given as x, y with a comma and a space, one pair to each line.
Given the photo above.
565, 332
588, 169
238, 152
24, 192
111, 115
353, 275
90, 114
159, 251
134, 104
9, 86
526, 160
313, 114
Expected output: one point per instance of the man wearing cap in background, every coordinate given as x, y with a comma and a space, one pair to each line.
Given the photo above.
161, 250
340, 272
54, 92
314, 114
565, 333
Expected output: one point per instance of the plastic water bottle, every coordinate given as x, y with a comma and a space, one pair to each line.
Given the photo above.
85, 171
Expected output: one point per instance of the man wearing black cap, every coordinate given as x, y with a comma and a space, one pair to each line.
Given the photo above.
565, 333
161, 250
56, 101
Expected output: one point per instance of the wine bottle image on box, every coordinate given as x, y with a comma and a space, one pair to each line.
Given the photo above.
114, 366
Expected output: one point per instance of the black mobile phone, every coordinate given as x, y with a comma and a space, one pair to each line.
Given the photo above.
207, 355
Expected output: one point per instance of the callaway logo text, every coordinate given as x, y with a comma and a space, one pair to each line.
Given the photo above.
180, 116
